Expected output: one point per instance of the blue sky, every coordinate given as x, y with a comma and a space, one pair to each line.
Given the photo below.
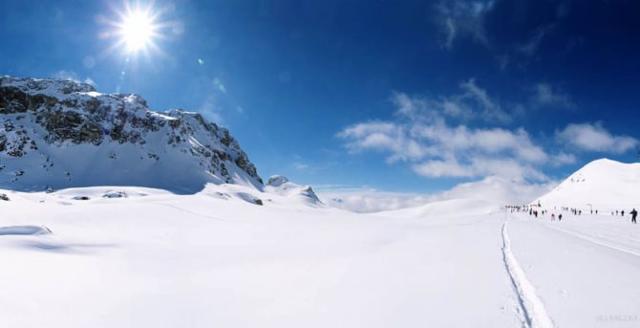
395, 95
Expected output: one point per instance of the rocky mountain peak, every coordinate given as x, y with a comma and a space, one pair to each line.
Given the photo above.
61, 133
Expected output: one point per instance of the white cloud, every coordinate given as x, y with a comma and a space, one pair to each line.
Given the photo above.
211, 110
367, 200
219, 85
490, 109
530, 47
423, 137
300, 166
595, 138
563, 159
443, 168
480, 166
450, 28
472, 102
492, 189
467, 20
66, 75
498, 190
460, 18
385, 137
436, 138
545, 94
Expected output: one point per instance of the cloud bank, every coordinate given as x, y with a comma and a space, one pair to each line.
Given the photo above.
464, 136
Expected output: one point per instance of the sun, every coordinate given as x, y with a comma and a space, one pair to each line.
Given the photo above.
137, 29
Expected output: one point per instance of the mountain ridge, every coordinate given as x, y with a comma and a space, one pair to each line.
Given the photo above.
58, 134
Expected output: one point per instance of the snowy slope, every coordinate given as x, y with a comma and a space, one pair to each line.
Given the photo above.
60, 134
602, 184
446, 208
155, 259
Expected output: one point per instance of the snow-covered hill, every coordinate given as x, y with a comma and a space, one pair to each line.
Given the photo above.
136, 257
60, 133
602, 184
280, 185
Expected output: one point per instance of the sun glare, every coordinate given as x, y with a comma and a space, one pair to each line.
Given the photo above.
136, 30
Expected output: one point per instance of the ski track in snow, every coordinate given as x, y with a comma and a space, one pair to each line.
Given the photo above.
191, 212
535, 315
595, 240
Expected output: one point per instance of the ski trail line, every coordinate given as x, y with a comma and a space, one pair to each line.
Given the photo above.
191, 212
595, 240
535, 315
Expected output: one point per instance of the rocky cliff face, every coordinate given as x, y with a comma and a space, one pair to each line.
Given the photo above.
59, 133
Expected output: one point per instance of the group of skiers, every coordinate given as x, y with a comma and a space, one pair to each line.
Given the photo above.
633, 213
536, 210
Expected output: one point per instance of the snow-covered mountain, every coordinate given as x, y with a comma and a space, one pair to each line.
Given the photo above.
61, 133
602, 184
280, 185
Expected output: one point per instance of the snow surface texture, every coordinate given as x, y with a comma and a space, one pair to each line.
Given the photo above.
215, 258
531, 306
59, 134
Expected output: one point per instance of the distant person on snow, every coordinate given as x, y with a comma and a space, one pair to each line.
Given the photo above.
622, 213
634, 215
559, 217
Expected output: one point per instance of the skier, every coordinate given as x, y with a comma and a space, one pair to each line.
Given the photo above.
559, 217
634, 215
622, 213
